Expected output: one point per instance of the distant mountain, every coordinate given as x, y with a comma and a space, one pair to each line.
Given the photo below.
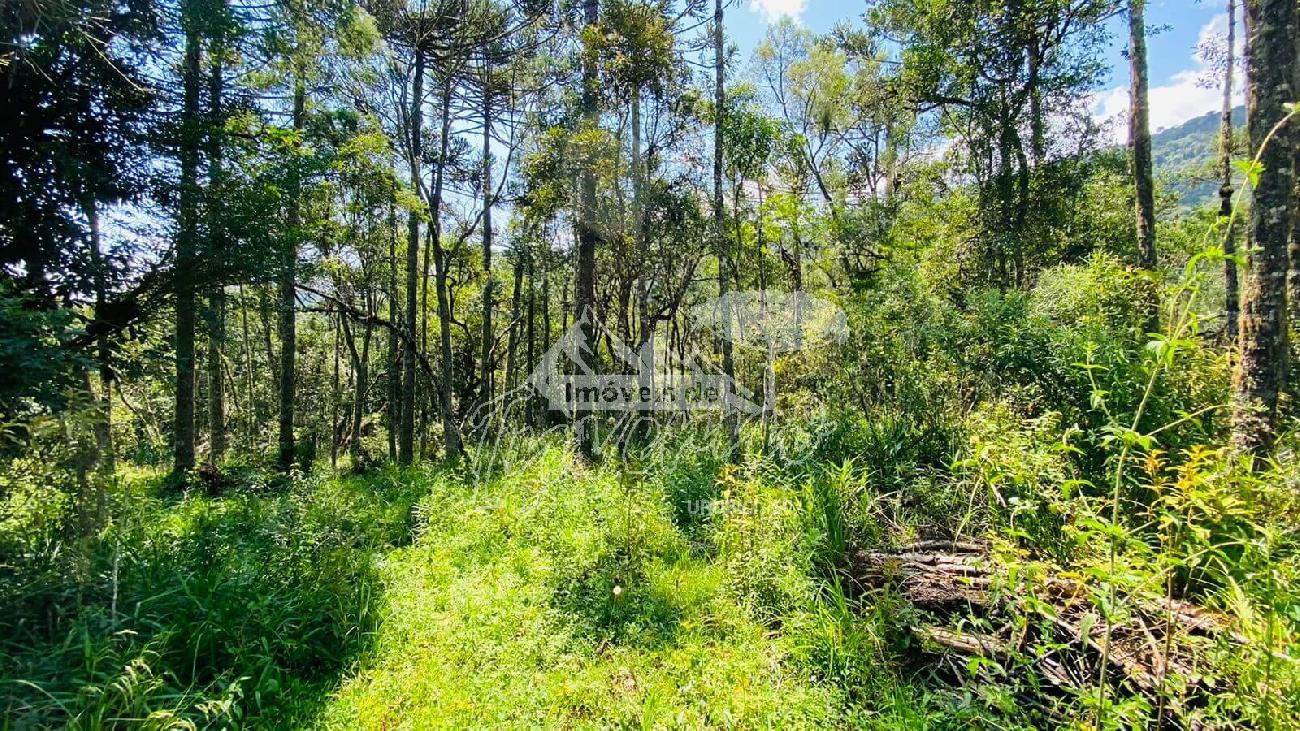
1185, 157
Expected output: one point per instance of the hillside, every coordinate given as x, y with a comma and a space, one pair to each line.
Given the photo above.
1184, 157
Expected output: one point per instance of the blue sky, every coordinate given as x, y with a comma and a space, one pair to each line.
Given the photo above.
1176, 26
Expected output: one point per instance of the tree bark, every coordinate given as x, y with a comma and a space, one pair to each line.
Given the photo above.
646, 321
287, 296
394, 355
359, 409
186, 241
336, 395
1293, 283
1139, 140
446, 369
406, 430
532, 314
546, 329
104, 413
486, 371
730, 421
216, 247
1037, 120
512, 341
361, 376
1261, 372
1232, 307
253, 425
584, 299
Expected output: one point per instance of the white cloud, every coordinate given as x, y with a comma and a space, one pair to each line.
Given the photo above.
774, 10
1185, 96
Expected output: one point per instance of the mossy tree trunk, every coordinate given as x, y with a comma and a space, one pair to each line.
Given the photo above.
1261, 371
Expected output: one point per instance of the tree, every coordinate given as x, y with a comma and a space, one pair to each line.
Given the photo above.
1293, 290
1139, 141
187, 241
1232, 305
846, 123
406, 427
989, 70
216, 235
1260, 375
486, 369
584, 299
287, 311
719, 235
639, 46
73, 143
442, 278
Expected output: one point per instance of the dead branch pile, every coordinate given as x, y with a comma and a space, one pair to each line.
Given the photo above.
1154, 644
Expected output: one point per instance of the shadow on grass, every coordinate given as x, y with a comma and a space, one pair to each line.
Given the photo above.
243, 609
616, 601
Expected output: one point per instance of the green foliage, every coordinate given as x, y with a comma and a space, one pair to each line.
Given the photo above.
569, 598
1186, 157
195, 610
39, 368
936, 174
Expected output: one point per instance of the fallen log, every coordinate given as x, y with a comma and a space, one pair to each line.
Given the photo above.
926, 578
1157, 636
969, 643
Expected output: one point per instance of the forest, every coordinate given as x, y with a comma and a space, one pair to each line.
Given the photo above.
647, 364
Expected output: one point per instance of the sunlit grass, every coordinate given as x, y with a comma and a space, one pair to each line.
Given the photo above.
548, 600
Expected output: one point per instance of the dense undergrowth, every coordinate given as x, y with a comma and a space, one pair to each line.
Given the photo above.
192, 608
675, 590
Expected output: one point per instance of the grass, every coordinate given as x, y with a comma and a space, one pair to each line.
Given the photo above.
551, 594
562, 598
202, 610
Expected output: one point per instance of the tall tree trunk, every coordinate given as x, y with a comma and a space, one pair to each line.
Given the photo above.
1021, 211
288, 276
424, 389
1008, 236
545, 340
532, 328
446, 370
103, 426
406, 432
584, 299
719, 233
186, 241
394, 318
336, 395
646, 329
250, 401
361, 376
1037, 120
769, 338
1293, 292
485, 367
1139, 140
216, 247
1233, 296
512, 341
1261, 372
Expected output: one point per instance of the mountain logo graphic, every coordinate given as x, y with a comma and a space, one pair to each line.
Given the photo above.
566, 378
650, 377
